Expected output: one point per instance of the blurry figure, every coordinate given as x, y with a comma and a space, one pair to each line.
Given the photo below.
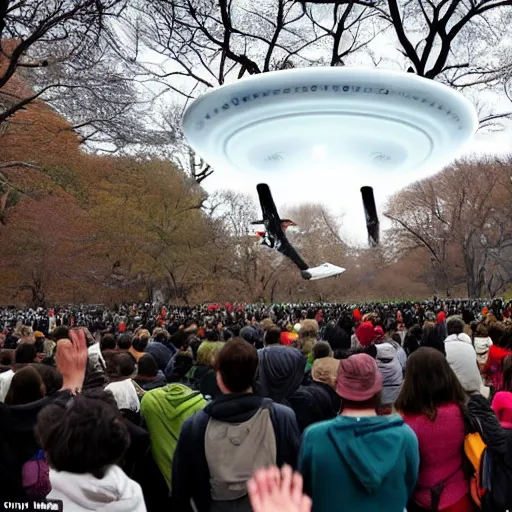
77, 467
26, 386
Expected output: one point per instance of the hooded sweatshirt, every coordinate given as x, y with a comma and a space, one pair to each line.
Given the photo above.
115, 492
190, 471
493, 367
375, 458
482, 346
461, 357
281, 373
149, 384
391, 371
165, 410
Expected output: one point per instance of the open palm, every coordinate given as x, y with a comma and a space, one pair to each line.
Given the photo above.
272, 490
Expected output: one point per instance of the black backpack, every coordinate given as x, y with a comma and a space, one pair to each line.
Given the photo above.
498, 497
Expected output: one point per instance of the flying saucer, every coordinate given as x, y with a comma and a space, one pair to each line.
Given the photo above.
375, 121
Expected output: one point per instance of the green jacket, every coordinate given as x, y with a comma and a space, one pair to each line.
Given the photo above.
368, 464
165, 410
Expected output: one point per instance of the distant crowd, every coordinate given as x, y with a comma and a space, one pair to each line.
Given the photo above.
292, 407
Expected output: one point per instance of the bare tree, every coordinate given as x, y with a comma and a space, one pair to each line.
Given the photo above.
65, 52
461, 217
205, 43
458, 42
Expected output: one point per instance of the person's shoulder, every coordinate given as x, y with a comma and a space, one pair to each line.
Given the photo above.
282, 411
319, 430
408, 432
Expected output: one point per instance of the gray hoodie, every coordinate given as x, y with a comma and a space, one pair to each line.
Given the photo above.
391, 371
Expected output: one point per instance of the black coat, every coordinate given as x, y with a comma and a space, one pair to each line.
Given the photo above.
190, 473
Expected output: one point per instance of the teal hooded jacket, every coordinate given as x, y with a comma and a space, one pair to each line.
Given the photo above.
366, 464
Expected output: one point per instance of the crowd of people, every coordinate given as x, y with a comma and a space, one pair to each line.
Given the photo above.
289, 407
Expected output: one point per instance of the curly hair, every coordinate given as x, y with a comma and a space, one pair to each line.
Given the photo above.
85, 435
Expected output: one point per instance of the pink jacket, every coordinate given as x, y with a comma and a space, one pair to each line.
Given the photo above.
441, 446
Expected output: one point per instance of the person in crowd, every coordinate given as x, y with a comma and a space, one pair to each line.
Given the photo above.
431, 337
253, 334
502, 401
201, 376
39, 342
280, 377
325, 402
431, 402
392, 374
148, 375
461, 357
456, 327
376, 457
272, 337
26, 386
18, 445
86, 475
500, 349
124, 341
182, 363
482, 343
24, 354
121, 371
25, 335
156, 347
412, 340
306, 341
139, 344
320, 350
365, 334
6, 359
51, 377
108, 343
221, 445
390, 333
338, 336
164, 410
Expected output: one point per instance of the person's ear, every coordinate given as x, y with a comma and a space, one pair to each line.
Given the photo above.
221, 384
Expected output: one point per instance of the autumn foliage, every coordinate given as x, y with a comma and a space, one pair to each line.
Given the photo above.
79, 227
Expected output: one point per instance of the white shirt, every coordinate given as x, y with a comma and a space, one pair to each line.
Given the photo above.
5, 383
461, 357
115, 492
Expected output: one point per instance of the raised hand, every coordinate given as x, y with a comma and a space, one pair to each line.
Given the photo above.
71, 360
271, 490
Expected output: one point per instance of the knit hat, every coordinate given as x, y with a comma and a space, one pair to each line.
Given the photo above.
38, 334
365, 333
379, 332
359, 378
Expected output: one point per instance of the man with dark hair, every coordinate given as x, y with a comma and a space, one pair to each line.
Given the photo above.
461, 357
108, 342
220, 446
124, 341
272, 336
77, 467
148, 375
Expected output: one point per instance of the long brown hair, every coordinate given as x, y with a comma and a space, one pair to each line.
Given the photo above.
507, 373
429, 383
